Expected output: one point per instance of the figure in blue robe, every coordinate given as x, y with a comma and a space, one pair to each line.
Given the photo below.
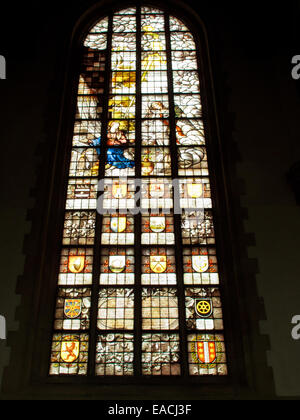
115, 155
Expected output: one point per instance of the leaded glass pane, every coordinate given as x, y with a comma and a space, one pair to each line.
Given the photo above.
138, 271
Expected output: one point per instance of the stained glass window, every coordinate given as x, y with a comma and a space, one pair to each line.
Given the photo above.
138, 287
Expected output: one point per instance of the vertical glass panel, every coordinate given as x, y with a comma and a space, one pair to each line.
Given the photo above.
200, 266
82, 194
154, 82
79, 228
84, 162
85, 132
117, 266
188, 106
69, 354
156, 161
96, 41
160, 354
153, 23
123, 60
101, 26
124, 23
157, 193
153, 41
184, 60
186, 81
76, 266
151, 11
121, 132
203, 309
117, 194
123, 82
207, 354
155, 106
120, 162
88, 106
155, 132
182, 41
114, 355
153, 60
121, 107
129, 11
177, 25
118, 229
158, 266
195, 193
197, 227
73, 309
190, 132
192, 161
157, 229
116, 309
160, 309
108, 105
124, 42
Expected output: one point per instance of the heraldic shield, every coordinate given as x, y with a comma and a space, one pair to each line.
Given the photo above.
206, 351
195, 190
158, 263
76, 264
157, 224
118, 224
72, 308
200, 263
69, 350
119, 190
203, 307
117, 263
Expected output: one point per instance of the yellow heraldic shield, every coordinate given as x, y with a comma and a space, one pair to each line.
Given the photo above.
157, 224
69, 350
158, 263
72, 308
119, 190
195, 190
200, 263
117, 263
76, 264
118, 224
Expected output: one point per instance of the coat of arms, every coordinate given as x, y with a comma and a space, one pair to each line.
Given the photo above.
119, 190
200, 263
195, 190
206, 351
117, 263
76, 264
69, 351
72, 308
158, 263
157, 224
118, 224
203, 307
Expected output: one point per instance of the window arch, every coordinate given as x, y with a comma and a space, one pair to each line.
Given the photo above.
138, 285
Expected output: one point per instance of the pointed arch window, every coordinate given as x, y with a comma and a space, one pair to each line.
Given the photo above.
138, 289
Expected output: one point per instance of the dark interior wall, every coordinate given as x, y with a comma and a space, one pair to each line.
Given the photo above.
251, 53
